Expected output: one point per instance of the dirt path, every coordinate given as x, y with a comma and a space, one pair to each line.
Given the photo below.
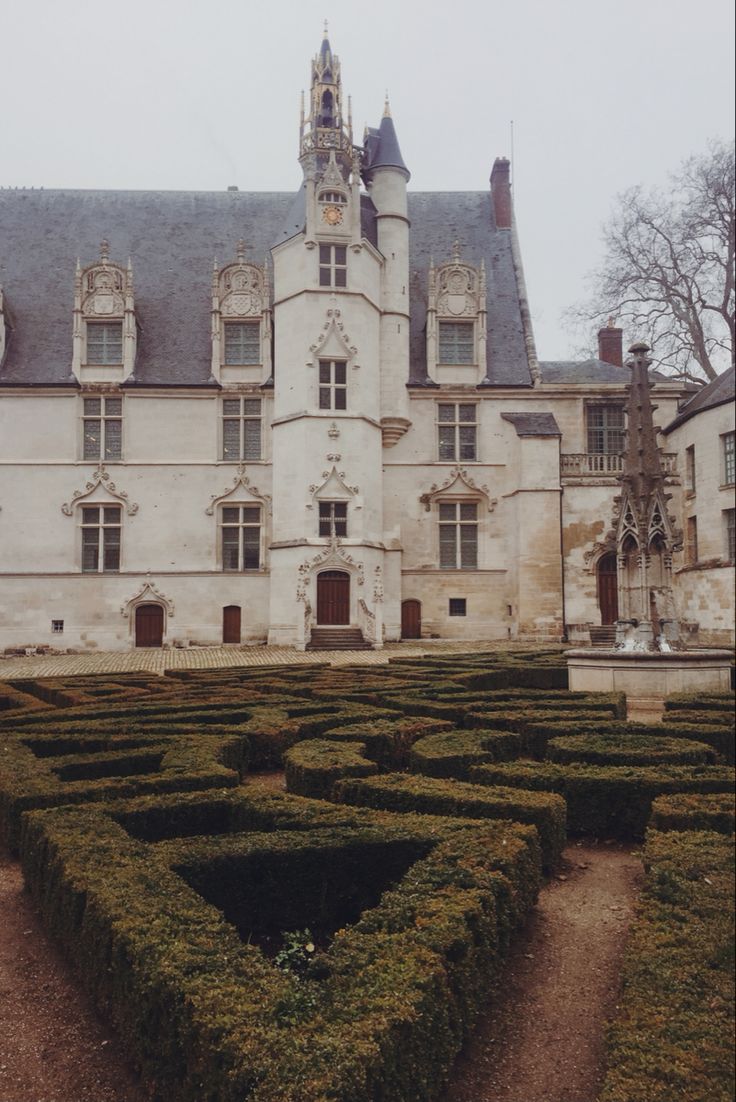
543, 1041
53, 1047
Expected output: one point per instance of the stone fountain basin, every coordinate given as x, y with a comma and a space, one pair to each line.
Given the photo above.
649, 674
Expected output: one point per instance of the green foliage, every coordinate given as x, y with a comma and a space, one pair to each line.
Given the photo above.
617, 749
453, 753
672, 1038
694, 811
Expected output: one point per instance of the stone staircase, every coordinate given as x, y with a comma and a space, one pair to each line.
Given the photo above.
338, 638
603, 636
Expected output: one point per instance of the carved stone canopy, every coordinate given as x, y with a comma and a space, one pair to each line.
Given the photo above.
99, 479
457, 484
241, 486
148, 593
241, 289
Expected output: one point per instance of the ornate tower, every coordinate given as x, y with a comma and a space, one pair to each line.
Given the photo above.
323, 133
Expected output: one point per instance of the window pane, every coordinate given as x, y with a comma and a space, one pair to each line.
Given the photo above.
448, 549
466, 413
251, 548
468, 512
251, 514
113, 439
324, 254
92, 435
447, 442
111, 541
341, 399
111, 514
252, 440
252, 407
231, 407
231, 439
92, 407
90, 551
104, 343
324, 371
113, 407
90, 515
445, 413
231, 515
243, 342
340, 373
448, 512
230, 546
456, 345
340, 508
468, 547
341, 526
467, 442
325, 528
324, 398
325, 277
341, 277
325, 510
341, 254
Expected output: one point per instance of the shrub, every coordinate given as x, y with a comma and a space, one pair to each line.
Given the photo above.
452, 754
606, 801
694, 811
720, 737
629, 750
432, 796
672, 1037
312, 767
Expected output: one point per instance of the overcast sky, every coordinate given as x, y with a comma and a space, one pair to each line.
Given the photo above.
158, 94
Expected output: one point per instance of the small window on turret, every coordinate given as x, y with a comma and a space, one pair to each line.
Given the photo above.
332, 197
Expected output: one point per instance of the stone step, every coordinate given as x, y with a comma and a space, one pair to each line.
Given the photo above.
338, 638
603, 636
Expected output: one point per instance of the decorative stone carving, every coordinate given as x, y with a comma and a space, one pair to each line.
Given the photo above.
458, 480
333, 554
100, 477
457, 292
392, 429
334, 487
333, 326
103, 291
149, 593
241, 481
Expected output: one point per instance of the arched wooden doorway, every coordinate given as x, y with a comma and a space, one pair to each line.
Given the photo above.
608, 589
333, 597
411, 619
231, 624
149, 626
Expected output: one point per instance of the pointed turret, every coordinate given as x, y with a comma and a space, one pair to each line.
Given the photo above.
382, 148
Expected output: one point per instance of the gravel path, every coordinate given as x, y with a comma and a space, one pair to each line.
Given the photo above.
543, 1040
53, 1047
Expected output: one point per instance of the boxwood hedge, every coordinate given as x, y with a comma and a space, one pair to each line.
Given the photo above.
694, 811
629, 750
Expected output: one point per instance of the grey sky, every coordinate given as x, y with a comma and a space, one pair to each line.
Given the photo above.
158, 94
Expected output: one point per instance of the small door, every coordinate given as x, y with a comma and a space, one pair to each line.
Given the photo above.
411, 619
608, 589
333, 597
149, 626
231, 624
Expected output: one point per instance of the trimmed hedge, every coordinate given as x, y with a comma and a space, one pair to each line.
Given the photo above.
313, 767
720, 737
673, 1035
629, 750
606, 801
701, 702
388, 742
694, 811
453, 753
432, 796
381, 1013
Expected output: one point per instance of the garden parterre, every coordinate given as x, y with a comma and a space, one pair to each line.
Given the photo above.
450, 783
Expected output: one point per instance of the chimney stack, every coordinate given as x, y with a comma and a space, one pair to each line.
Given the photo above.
611, 344
501, 193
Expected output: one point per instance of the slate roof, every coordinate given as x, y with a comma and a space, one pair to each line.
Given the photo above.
589, 372
533, 424
716, 393
382, 148
172, 238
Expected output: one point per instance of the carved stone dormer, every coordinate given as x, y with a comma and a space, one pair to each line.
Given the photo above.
241, 321
456, 322
105, 332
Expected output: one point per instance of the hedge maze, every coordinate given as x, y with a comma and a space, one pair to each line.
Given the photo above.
337, 940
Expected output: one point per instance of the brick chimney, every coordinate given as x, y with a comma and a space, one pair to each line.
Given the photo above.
501, 192
610, 344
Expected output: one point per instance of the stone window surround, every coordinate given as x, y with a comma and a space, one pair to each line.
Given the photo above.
728, 458
609, 433
243, 330
246, 415
457, 424
245, 524
106, 520
459, 523
107, 451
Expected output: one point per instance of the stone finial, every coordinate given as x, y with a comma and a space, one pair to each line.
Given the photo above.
386, 107
104, 250
240, 251
456, 252
638, 352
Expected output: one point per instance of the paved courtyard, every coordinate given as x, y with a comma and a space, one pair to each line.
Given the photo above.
209, 658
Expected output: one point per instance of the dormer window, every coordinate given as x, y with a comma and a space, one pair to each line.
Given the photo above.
241, 322
104, 342
456, 322
105, 331
243, 342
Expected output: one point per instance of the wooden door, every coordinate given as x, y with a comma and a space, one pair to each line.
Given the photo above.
608, 589
231, 624
333, 597
149, 626
411, 620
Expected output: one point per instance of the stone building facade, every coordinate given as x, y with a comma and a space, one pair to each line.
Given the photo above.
246, 417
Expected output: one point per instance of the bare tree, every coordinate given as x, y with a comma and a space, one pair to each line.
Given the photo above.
668, 273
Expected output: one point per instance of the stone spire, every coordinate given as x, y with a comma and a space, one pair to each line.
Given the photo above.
642, 472
324, 131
